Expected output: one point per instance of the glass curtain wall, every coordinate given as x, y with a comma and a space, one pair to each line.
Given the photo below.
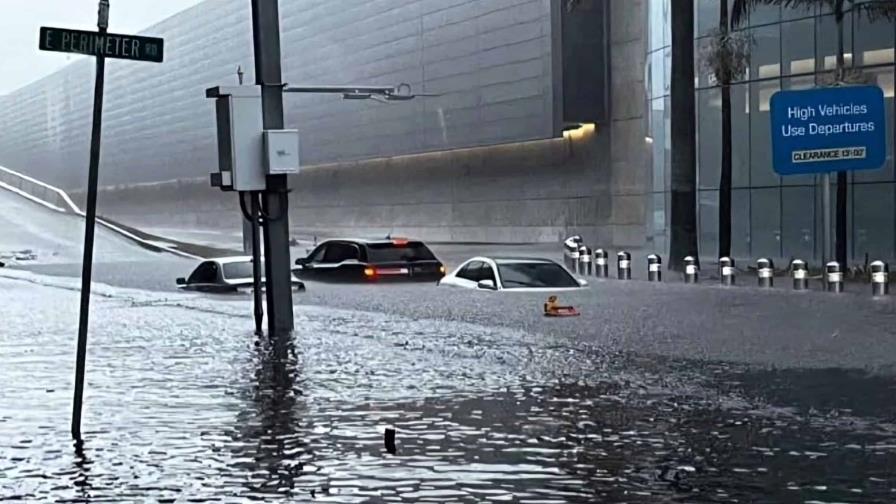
658, 72
774, 216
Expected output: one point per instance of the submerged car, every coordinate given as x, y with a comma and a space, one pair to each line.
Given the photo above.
512, 274
225, 274
359, 260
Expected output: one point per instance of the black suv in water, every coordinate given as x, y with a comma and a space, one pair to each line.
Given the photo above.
358, 260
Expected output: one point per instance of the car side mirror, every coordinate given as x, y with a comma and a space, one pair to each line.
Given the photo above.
583, 282
487, 285
302, 261
181, 281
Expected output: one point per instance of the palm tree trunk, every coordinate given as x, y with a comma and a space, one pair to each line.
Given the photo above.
683, 239
842, 187
725, 175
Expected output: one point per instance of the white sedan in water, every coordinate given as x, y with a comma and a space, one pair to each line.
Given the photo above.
512, 274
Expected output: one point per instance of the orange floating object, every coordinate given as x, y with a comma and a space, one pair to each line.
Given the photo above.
553, 309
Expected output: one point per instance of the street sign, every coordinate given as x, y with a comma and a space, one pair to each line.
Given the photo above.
828, 129
109, 45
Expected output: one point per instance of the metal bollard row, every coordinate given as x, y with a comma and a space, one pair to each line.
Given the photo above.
580, 259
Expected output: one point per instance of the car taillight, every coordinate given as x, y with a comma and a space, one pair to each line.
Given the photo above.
369, 272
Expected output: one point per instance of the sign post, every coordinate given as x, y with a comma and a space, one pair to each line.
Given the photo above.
102, 45
824, 130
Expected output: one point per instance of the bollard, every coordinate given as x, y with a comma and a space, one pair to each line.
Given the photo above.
833, 277
800, 274
880, 278
584, 261
571, 251
601, 263
691, 270
624, 265
654, 268
726, 271
766, 272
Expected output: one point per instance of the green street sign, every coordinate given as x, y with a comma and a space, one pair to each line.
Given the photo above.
109, 45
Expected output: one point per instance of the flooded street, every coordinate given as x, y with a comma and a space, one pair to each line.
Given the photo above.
185, 404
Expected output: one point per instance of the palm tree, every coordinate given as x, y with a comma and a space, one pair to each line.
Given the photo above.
725, 57
872, 10
683, 239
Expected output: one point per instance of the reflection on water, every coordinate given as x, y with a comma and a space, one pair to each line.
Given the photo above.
182, 407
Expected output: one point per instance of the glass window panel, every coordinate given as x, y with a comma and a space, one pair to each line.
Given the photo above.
874, 221
874, 41
761, 171
707, 16
765, 222
667, 28
826, 37
709, 223
765, 14
657, 74
667, 71
704, 75
765, 52
657, 24
710, 137
740, 223
657, 143
884, 78
788, 13
798, 46
798, 222
659, 225
740, 134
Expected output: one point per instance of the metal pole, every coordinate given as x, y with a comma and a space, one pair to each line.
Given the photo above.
256, 265
275, 203
90, 226
826, 216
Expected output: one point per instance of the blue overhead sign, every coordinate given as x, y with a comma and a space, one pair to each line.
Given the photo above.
828, 129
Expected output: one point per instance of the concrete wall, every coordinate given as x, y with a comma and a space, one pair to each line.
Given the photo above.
488, 62
525, 192
594, 183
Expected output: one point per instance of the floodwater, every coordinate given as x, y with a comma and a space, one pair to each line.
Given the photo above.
185, 404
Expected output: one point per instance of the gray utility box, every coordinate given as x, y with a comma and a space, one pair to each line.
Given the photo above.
281, 152
240, 143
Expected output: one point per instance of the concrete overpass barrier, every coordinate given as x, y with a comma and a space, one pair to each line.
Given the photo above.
37, 191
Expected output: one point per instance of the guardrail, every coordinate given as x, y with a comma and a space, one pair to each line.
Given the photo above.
58, 200
37, 191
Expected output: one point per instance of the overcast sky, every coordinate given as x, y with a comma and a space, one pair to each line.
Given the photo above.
20, 20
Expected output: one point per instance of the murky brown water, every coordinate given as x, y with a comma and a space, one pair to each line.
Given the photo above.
185, 405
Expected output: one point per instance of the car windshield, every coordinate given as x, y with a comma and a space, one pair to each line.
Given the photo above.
239, 270
398, 252
534, 274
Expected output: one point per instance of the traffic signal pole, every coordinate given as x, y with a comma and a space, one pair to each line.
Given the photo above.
275, 200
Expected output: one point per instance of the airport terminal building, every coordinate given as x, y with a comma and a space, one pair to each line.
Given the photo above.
543, 118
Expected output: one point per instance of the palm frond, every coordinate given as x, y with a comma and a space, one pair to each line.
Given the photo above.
877, 9
741, 9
